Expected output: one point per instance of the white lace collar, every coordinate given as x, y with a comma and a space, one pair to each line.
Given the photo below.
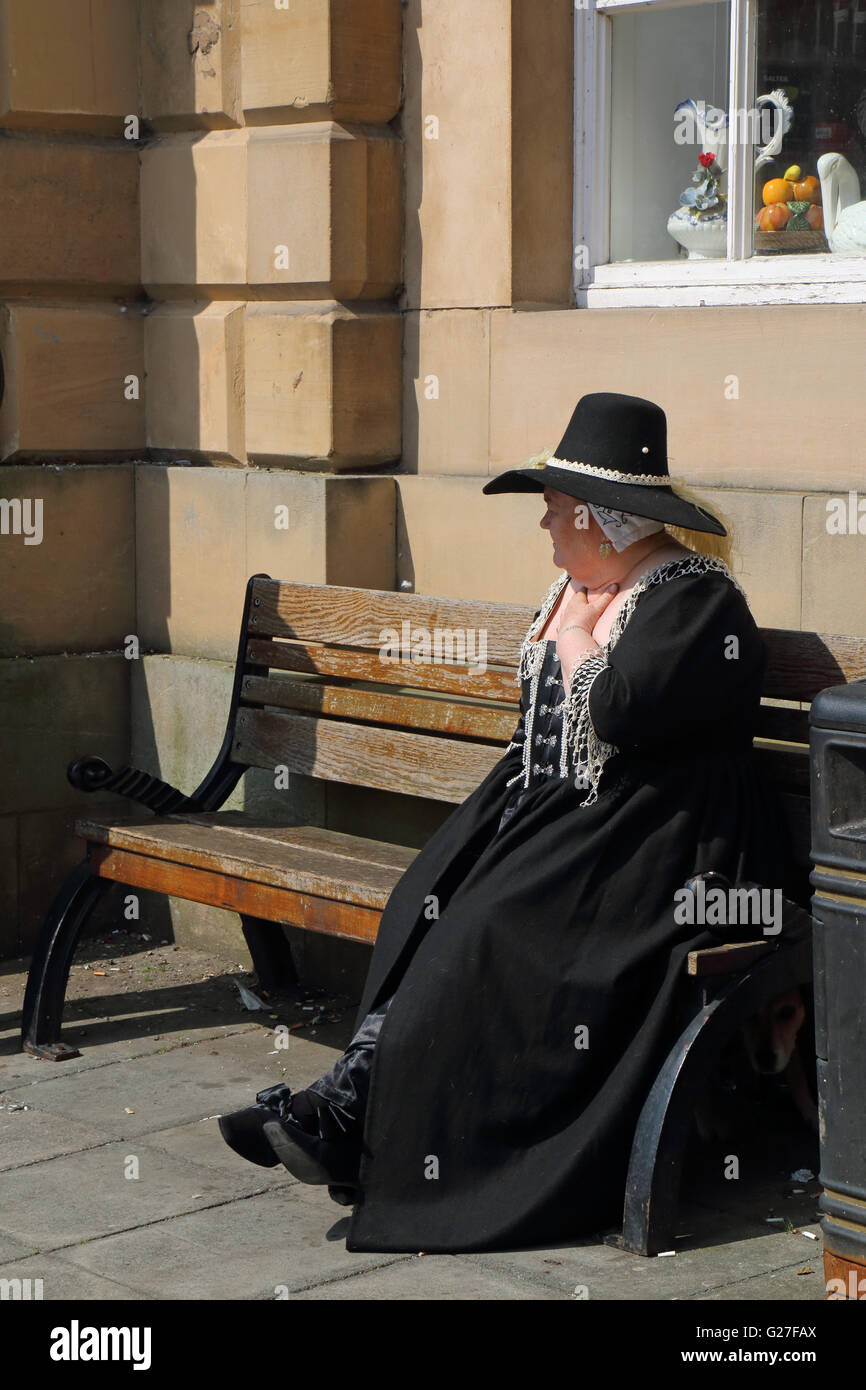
532, 652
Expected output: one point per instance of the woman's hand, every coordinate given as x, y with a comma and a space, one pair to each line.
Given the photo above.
574, 639
583, 609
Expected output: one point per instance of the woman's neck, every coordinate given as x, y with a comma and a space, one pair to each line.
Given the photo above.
626, 566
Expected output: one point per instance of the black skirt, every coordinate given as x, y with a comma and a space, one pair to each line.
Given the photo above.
534, 957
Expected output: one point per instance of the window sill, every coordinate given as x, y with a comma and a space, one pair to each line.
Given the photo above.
776, 279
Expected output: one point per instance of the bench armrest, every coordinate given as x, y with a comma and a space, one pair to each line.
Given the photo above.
90, 774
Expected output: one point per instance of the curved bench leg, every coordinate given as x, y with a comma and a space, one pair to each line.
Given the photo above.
49, 968
271, 953
658, 1148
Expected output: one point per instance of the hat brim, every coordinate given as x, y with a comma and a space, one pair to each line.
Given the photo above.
658, 503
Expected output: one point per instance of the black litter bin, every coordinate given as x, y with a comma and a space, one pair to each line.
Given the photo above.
838, 776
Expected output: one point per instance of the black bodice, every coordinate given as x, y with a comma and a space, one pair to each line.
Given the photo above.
546, 736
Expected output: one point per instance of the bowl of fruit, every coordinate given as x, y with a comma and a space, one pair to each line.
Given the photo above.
791, 218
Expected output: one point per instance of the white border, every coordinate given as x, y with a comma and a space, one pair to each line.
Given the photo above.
752, 280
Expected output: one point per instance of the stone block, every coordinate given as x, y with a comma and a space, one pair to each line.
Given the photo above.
194, 211
457, 127
48, 849
360, 532
203, 531
69, 62
195, 396
325, 211
191, 63
74, 206
74, 380
454, 541
312, 59
312, 209
446, 371
87, 537
542, 155
691, 361
323, 385
833, 593
322, 530
763, 526
286, 525
54, 709
191, 566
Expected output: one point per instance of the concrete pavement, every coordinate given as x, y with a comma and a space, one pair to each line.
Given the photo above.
116, 1183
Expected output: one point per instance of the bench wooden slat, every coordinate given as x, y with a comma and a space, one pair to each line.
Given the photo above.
803, 663
440, 768
351, 664
262, 855
787, 767
790, 725
350, 617
379, 707
721, 960
317, 837
353, 921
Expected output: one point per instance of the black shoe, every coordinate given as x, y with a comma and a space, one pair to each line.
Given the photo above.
243, 1132
343, 1196
311, 1159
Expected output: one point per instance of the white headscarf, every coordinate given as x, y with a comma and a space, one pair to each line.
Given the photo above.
624, 528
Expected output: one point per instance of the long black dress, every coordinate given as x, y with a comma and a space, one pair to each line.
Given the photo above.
530, 1017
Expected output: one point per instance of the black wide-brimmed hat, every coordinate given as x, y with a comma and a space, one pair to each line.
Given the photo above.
613, 454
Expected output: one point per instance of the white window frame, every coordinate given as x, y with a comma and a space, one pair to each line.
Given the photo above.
743, 278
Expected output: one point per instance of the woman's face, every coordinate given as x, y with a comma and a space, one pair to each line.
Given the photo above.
575, 533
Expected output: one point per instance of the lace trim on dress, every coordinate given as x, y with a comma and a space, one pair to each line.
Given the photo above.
529, 668
582, 750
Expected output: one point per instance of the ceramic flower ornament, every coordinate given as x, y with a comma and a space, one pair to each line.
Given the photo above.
700, 223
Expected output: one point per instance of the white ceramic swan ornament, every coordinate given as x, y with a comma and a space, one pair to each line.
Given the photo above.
844, 213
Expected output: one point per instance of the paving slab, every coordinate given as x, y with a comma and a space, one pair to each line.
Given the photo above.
82, 1195
610, 1274
431, 1278
31, 1136
788, 1285
130, 996
61, 1280
179, 1084
20, 1067
201, 1143
250, 1249
12, 1249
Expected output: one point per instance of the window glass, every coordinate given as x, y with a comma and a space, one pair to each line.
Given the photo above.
660, 59
806, 197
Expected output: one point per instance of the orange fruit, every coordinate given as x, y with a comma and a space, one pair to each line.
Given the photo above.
773, 217
777, 191
815, 218
808, 190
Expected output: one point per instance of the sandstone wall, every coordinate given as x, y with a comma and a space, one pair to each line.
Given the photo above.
319, 256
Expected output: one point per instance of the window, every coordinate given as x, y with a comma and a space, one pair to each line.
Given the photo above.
720, 151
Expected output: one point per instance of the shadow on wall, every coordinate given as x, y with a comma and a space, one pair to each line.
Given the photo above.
412, 129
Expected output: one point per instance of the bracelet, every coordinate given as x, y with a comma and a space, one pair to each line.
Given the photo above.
576, 627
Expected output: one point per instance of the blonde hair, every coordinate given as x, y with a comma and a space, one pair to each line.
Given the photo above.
703, 542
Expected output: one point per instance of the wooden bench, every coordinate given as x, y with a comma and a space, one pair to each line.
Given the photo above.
311, 694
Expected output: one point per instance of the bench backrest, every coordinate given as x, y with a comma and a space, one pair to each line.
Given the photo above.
326, 686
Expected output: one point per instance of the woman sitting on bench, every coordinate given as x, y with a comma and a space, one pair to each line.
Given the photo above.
521, 994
